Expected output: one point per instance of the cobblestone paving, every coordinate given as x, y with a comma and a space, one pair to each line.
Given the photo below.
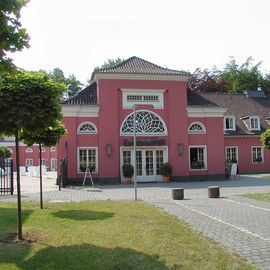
240, 224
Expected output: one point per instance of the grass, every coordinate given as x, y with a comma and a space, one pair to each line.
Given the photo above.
107, 236
258, 196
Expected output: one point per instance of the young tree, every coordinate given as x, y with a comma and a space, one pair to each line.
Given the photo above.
28, 102
265, 139
48, 136
12, 36
110, 63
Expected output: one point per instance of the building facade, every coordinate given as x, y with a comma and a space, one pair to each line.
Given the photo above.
196, 133
29, 155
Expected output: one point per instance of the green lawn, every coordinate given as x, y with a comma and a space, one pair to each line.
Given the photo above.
258, 196
107, 236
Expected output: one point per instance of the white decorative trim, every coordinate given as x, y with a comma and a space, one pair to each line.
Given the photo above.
203, 131
145, 77
90, 123
53, 149
29, 150
159, 104
80, 110
147, 134
205, 112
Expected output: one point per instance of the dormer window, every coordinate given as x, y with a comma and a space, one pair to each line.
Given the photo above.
254, 123
229, 123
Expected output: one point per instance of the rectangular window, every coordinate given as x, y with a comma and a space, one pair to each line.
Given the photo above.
197, 156
229, 123
53, 164
159, 160
87, 158
231, 154
29, 162
254, 123
43, 162
257, 154
126, 157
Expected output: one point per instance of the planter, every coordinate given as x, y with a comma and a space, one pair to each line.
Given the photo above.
178, 194
166, 179
128, 181
213, 192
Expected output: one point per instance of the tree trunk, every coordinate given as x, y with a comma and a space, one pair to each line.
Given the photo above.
40, 177
20, 236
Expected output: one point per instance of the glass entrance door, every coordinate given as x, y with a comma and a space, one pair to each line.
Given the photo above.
148, 163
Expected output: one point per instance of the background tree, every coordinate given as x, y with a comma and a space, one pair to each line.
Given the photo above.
234, 78
12, 36
28, 102
4, 152
48, 136
73, 85
110, 63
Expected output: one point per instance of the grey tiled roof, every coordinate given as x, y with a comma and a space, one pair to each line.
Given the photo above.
240, 106
136, 65
87, 96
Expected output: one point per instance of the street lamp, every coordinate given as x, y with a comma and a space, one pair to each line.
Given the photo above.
134, 145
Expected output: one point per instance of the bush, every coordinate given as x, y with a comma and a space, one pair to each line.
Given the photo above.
166, 169
4, 152
128, 170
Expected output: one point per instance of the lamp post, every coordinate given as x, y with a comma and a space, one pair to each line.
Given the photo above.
134, 147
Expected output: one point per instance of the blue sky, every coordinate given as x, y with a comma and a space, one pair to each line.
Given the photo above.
80, 35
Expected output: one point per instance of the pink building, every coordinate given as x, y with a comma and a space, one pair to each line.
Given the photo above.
196, 133
29, 155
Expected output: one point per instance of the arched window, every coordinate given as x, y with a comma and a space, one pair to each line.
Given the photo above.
87, 128
10, 150
53, 149
147, 123
29, 150
196, 128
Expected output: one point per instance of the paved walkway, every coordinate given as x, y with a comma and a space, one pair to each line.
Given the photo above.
239, 223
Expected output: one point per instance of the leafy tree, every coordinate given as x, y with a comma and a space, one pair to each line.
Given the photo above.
110, 63
48, 136
12, 36
4, 152
234, 78
28, 102
265, 139
73, 85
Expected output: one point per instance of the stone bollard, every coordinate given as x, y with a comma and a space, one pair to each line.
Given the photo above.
178, 194
213, 192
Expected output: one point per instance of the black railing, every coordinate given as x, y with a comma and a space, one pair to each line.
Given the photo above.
6, 176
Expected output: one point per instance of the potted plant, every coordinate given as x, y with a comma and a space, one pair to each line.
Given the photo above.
233, 160
128, 172
166, 171
259, 159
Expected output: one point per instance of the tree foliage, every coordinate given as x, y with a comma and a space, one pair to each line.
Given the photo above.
73, 85
110, 63
265, 139
234, 78
12, 36
4, 152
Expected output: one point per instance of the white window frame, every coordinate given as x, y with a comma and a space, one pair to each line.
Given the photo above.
43, 162
233, 123
147, 134
29, 160
157, 101
28, 150
78, 158
262, 154
204, 157
230, 147
203, 131
88, 132
53, 149
54, 159
258, 122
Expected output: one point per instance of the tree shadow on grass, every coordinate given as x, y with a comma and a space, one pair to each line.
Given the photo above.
9, 220
82, 215
92, 257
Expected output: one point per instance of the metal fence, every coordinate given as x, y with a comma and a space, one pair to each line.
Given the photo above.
6, 176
